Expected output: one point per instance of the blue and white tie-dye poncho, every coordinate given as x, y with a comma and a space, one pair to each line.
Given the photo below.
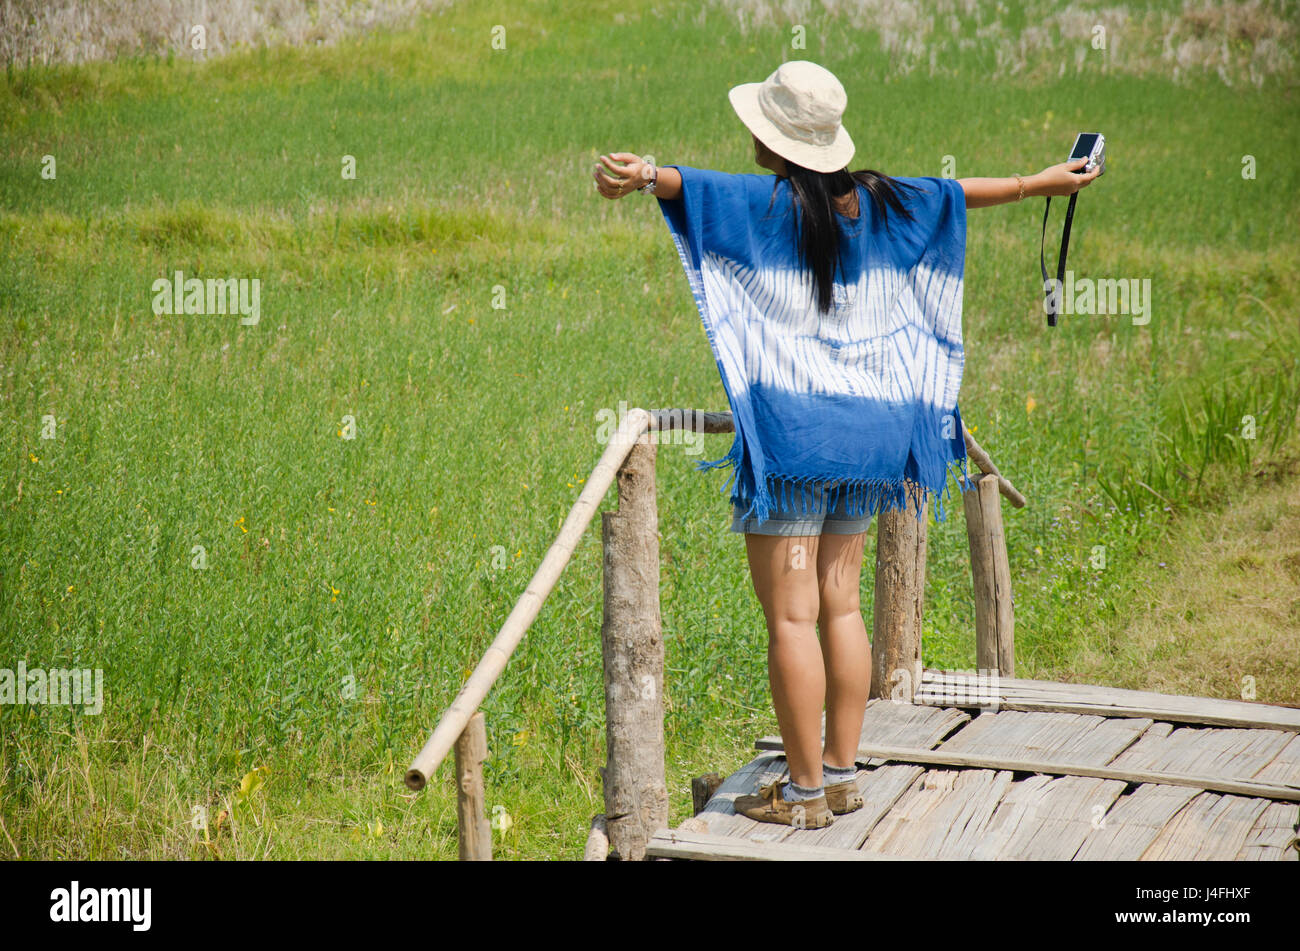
861, 400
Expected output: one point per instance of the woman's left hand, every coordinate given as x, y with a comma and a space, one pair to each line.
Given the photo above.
623, 179
1064, 179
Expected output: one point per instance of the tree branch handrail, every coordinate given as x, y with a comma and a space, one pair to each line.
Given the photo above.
526, 609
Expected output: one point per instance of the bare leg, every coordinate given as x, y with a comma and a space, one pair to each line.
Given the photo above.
784, 572
845, 646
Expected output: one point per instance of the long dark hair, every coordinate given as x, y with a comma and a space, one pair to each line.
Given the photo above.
818, 238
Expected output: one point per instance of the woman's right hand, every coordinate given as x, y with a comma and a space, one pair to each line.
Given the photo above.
1062, 179
617, 181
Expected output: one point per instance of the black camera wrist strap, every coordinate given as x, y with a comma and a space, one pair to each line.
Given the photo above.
1052, 293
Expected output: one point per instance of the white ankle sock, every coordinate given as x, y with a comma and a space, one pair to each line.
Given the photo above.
837, 774
792, 792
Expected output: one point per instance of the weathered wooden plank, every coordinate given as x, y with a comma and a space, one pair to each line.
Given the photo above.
1271, 837
1108, 710
1009, 732
960, 688
1207, 751
1093, 693
974, 820
931, 819
1038, 818
1044, 818
674, 843
1107, 739
1232, 753
1283, 768
1133, 823
1049, 737
1211, 827
941, 757
1017, 806
1024, 694
1157, 728
906, 724
1021, 686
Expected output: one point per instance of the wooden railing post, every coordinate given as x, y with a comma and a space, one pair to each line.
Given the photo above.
597, 847
991, 575
900, 591
631, 640
474, 831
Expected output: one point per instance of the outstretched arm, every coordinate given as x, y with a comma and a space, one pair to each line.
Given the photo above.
1050, 182
625, 179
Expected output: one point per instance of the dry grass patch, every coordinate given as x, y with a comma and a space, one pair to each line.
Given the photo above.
1224, 607
1249, 41
79, 31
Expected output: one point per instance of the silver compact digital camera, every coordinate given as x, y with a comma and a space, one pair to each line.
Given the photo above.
1092, 146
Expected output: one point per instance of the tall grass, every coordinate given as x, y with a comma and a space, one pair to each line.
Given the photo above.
280, 692
1237, 412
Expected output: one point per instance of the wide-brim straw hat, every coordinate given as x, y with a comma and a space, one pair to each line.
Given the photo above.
796, 112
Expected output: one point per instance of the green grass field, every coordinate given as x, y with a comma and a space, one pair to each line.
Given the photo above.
370, 561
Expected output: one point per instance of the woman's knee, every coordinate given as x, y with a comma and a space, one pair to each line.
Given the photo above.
838, 591
793, 614
837, 605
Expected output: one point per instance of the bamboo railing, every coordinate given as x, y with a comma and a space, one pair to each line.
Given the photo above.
636, 796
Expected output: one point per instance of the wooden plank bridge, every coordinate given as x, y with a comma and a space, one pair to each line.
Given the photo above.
952, 765
1040, 771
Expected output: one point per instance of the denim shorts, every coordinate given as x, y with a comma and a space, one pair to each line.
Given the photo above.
792, 520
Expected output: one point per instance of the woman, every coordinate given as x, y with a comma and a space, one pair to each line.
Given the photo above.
832, 301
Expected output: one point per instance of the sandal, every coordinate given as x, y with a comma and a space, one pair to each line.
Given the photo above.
768, 806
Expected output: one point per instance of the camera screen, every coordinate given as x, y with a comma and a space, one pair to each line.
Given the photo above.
1083, 147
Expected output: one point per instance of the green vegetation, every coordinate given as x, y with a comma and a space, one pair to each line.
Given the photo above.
372, 558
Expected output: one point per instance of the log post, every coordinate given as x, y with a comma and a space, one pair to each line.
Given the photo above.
631, 640
900, 591
702, 790
597, 848
991, 575
475, 833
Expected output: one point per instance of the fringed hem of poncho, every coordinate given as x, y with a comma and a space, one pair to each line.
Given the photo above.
861, 496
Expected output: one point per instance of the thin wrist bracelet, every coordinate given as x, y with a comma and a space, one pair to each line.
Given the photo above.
1022, 188
649, 187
